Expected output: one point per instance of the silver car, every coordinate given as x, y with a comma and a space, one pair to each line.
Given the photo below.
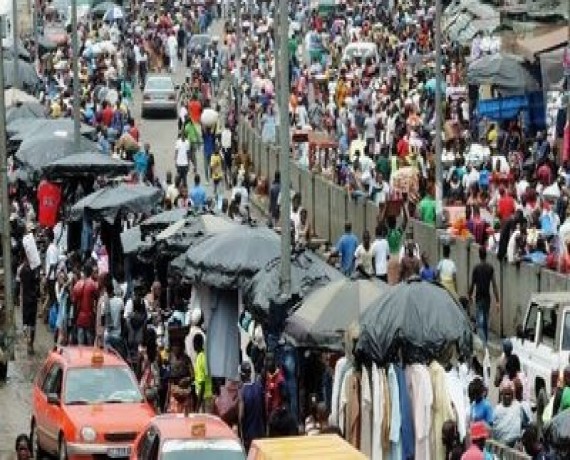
160, 94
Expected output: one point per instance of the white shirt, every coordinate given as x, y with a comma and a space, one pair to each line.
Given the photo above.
52, 258
226, 138
182, 147
380, 252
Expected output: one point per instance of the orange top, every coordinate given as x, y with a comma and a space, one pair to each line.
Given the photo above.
195, 110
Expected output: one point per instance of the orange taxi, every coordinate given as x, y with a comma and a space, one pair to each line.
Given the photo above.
86, 404
187, 437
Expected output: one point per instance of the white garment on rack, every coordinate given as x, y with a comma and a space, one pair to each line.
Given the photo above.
377, 413
366, 414
339, 370
343, 401
395, 415
457, 395
421, 396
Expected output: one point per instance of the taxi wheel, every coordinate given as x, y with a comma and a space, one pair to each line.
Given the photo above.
38, 452
62, 451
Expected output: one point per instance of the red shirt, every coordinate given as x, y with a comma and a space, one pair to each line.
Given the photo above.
473, 453
49, 200
544, 175
83, 296
506, 207
195, 110
107, 116
403, 148
134, 132
272, 392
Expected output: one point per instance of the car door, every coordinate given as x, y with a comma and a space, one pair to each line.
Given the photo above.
53, 412
149, 445
543, 355
523, 346
39, 403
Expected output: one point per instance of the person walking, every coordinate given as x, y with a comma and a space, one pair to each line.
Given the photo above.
23, 447
274, 193
84, 297
182, 158
251, 407
381, 254
29, 296
346, 249
198, 195
447, 272
202, 378
482, 277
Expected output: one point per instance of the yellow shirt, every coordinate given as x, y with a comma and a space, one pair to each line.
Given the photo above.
216, 167
201, 377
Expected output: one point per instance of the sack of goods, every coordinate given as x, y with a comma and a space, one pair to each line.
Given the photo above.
209, 118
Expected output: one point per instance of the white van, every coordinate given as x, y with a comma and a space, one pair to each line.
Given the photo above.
361, 50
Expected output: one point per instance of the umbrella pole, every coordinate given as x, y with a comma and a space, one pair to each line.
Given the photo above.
16, 57
283, 93
9, 325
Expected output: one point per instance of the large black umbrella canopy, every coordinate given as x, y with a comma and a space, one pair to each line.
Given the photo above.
502, 71
23, 129
557, 432
25, 111
308, 272
27, 74
328, 311
107, 202
87, 164
39, 151
228, 259
163, 219
416, 317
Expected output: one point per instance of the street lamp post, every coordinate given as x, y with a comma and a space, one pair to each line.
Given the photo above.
438, 116
9, 324
284, 141
15, 50
75, 68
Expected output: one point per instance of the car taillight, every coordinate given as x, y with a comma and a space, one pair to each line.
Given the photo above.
146, 97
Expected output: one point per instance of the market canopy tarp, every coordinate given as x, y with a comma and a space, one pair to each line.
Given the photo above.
25, 111
20, 130
108, 201
15, 96
87, 164
27, 75
328, 311
501, 71
227, 260
308, 271
163, 219
417, 319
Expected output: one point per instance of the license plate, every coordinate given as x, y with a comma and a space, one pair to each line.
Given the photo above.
160, 98
117, 452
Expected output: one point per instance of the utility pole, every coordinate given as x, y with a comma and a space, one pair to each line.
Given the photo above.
284, 141
75, 68
239, 38
15, 50
438, 117
9, 325
567, 74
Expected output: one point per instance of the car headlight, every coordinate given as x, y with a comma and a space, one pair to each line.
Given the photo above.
88, 434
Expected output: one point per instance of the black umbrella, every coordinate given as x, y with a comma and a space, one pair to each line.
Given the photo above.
27, 75
416, 317
228, 259
557, 433
106, 203
23, 129
162, 220
25, 111
87, 164
308, 271
38, 151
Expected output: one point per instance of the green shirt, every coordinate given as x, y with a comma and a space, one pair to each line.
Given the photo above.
383, 166
191, 133
201, 377
394, 239
565, 400
427, 210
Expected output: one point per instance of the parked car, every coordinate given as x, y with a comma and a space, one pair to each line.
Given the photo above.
543, 339
160, 94
86, 402
197, 44
187, 437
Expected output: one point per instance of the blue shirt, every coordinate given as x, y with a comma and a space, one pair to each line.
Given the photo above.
427, 273
198, 197
141, 162
346, 247
482, 411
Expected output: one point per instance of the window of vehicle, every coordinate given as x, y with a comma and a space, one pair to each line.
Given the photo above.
92, 385
217, 449
52, 383
530, 325
548, 326
566, 332
148, 449
159, 84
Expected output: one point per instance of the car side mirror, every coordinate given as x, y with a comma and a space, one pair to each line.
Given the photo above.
53, 399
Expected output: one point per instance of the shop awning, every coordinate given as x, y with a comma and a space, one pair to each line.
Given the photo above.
552, 70
530, 48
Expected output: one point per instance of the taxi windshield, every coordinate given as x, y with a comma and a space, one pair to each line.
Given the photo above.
100, 385
204, 449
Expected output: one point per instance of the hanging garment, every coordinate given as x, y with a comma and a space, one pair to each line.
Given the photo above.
386, 415
377, 414
407, 435
366, 410
395, 415
342, 365
343, 401
421, 396
442, 409
353, 410
460, 402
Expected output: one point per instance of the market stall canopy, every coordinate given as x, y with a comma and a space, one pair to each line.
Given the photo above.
108, 201
532, 47
27, 74
328, 311
502, 71
102, 8
8, 46
162, 220
14, 97
227, 260
552, 70
87, 164
418, 319
308, 271
24, 129
132, 241
25, 111
557, 432
115, 13
39, 151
